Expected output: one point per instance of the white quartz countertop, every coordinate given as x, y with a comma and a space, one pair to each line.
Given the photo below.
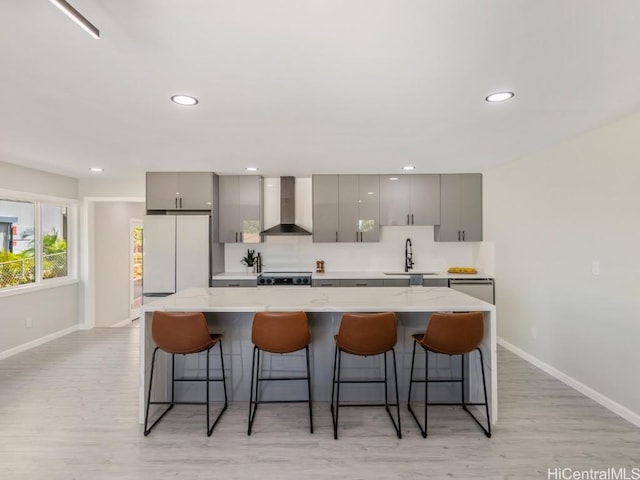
346, 299
358, 275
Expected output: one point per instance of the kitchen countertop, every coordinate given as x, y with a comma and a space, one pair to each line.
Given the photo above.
346, 299
355, 275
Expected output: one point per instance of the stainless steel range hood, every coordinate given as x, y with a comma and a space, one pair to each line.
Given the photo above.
287, 224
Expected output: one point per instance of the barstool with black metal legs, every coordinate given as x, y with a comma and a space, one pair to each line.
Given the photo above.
278, 333
364, 335
183, 333
451, 334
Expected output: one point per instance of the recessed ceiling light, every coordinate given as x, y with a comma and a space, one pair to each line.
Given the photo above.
370, 193
499, 96
393, 178
251, 169
184, 100
408, 167
96, 169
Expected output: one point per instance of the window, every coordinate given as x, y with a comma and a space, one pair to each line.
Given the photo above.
33, 242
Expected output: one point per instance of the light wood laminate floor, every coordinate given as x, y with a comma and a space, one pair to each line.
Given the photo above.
68, 410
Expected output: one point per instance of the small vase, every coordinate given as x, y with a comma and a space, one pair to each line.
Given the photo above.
251, 269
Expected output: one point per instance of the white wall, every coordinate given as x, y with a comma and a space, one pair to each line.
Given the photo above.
387, 255
21, 179
51, 311
112, 223
133, 186
550, 216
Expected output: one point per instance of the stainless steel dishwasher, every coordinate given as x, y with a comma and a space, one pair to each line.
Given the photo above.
482, 288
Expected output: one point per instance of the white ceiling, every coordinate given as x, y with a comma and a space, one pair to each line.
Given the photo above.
309, 86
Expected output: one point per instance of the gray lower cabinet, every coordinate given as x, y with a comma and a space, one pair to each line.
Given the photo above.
460, 208
435, 282
167, 191
371, 282
409, 199
234, 283
395, 282
240, 208
325, 283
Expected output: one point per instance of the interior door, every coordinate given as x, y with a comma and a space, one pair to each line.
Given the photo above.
135, 268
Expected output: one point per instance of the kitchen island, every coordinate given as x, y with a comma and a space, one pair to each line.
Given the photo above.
230, 311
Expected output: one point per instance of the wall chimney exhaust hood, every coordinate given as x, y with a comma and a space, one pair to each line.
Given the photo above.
287, 224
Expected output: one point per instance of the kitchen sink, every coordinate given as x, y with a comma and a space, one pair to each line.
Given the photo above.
410, 273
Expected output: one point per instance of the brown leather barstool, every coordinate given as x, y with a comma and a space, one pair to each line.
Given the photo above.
183, 333
364, 335
278, 333
451, 334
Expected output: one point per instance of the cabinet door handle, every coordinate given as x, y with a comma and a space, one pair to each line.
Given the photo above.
357, 236
458, 235
412, 219
408, 223
336, 236
236, 236
180, 202
362, 284
176, 202
241, 237
462, 235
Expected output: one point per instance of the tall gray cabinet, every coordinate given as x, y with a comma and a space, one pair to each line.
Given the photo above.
461, 208
346, 208
409, 199
240, 208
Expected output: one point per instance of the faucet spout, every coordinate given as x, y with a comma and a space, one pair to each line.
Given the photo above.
408, 255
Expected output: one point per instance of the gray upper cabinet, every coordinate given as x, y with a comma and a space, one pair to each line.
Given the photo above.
240, 208
179, 191
460, 208
325, 208
409, 199
359, 208
346, 208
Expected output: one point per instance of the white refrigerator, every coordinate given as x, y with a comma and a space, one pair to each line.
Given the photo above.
175, 254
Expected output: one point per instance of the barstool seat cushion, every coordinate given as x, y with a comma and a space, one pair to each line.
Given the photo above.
453, 333
367, 334
280, 332
182, 333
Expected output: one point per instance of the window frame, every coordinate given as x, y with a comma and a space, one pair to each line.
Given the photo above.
72, 241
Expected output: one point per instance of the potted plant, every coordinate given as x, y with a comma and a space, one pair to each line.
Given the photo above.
250, 260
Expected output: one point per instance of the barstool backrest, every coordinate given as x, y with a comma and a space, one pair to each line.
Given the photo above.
177, 332
454, 333
367, 333
280, 332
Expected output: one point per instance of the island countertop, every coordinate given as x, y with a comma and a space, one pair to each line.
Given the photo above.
309, 299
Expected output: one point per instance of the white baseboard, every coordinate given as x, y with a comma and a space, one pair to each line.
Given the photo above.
123, 323
34, 343
606, 402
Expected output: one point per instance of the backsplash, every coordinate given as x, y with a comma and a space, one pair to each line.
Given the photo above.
300, 253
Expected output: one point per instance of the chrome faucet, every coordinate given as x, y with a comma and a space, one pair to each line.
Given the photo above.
408, 255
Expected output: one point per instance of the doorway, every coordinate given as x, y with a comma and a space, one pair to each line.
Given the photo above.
135, 262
